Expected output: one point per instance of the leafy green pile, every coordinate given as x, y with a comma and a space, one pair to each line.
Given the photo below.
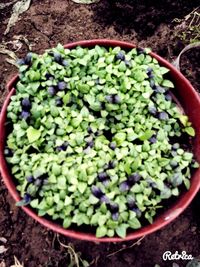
96, 137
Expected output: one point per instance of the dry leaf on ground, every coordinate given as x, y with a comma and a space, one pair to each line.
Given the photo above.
11, 54
18, 8
3, 240
17, 263
4, 5
2, 264
3, 249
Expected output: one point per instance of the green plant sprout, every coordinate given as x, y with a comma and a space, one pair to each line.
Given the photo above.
96, 137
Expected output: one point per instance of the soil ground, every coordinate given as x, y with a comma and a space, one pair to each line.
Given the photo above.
147, 24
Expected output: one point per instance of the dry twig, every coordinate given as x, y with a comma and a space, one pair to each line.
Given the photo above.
17, 263
71, 251
122, 249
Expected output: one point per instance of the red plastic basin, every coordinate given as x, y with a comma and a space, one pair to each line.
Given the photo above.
189, 100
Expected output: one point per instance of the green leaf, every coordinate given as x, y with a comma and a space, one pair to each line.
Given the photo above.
56, 169
132, 136
67, 222
39, 172
95, 218
163, 70
34, 75
147, 134
187, 183
134, 223
101, 231
102, 220
60, 48
183, 119
122, 66
56, 198
148, 217
175, 191
33, 134
139, 198
188, 156
68, 201
34, 86
66, 98
167, 83
76, 121
195, 165
54, 111
165, 193
190, 131
127, 168
49, 201
82, 187
83, 88
136, 163
139, 75
112, 224
121, 230
34, 203
160, 184
51, 211
23, 68
120, 138
41, 212
84, 112
52, 179
93, 199
163, 162
62, 182
110, 232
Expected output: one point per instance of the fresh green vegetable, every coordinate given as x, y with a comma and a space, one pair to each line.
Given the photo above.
96, 138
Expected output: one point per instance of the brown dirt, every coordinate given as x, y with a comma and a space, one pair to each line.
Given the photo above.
143, 22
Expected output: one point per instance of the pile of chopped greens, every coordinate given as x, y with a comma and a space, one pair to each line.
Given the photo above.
96, 139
